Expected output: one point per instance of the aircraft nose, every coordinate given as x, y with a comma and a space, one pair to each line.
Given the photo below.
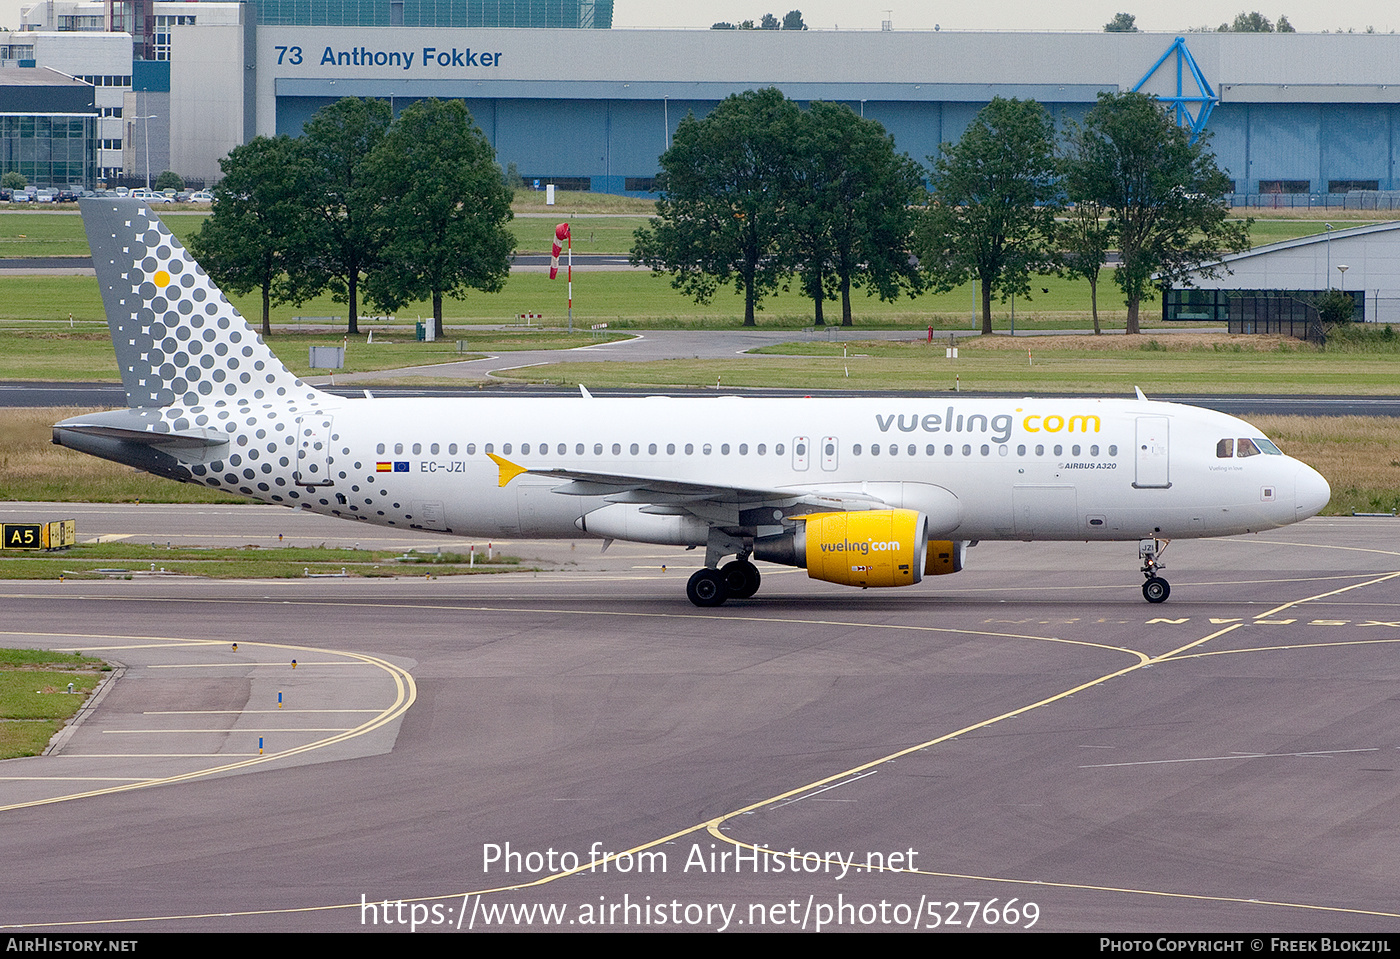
1311, 492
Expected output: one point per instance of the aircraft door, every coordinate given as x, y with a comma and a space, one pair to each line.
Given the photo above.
313, 451
1152, 453
831, 450
801, 454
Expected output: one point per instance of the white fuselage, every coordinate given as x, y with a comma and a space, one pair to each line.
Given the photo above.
1031, 469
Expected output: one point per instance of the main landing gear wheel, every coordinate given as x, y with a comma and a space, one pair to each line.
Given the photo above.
741, 578
1156, 590
706, 588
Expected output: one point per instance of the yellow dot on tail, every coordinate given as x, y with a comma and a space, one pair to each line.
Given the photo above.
161, 278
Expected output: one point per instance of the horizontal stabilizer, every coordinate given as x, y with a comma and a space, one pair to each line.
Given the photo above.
200, 438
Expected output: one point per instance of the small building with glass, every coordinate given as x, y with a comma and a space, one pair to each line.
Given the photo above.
1273, 288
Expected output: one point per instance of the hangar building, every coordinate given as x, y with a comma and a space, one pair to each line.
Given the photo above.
1297, 117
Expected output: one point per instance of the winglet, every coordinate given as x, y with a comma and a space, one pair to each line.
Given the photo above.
509, 470
584, 391
1138, 391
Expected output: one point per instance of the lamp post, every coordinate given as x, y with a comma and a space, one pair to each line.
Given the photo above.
148, 120
1342, 269
1329, 248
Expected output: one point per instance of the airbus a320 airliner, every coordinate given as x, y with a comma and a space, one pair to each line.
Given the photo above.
859, 492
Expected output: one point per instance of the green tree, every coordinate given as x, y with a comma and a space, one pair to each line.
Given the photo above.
1121, 23
1084, 242
1254, 22
1084, 233
769, 22
852, 209
995, 195
170, 180
793, 21
244, 244
1165, 195
724, 186
1284, 26
1335, 308
339, 241
722, 25
445, 209
13, 180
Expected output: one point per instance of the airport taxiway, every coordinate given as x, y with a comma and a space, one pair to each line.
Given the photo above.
1026, 730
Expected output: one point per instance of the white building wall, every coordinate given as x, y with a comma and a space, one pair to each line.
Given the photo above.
89, 54
207, 115
45, 14
1370, 254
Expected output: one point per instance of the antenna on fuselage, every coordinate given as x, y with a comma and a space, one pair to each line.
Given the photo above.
1138, 391
584, 391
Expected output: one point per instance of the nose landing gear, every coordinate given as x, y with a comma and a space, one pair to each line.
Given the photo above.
1156, 589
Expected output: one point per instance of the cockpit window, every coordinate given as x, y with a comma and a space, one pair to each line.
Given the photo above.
1246, 447
1225, 448
1267, 447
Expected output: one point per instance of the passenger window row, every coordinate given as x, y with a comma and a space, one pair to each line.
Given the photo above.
984, 449
581, 449
761, 449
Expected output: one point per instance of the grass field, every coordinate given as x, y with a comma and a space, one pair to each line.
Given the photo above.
40, 309
606, 225
84, 352
37, 341
1359, 456
34, 698
56, 234
624, 300
32, 468
1176, 363
126, 560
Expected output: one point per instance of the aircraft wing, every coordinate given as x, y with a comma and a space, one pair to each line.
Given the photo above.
715, 503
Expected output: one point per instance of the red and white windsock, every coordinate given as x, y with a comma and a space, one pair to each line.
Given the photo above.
561, 234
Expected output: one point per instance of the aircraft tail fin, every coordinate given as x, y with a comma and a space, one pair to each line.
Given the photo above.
178, 340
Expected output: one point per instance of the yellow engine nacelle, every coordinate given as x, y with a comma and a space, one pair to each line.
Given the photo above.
944, 556
875, 548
